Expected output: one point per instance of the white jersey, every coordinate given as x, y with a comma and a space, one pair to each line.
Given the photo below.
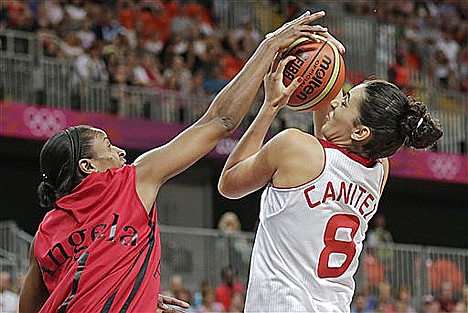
309, 238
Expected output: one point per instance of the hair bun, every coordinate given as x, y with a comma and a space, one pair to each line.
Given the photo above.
420, 128
46, 193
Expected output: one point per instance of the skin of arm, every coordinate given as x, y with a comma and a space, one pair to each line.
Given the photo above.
386, 166
34, 292
250, 166
223, 116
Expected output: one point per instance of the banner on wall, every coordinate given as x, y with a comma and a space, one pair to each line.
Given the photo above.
39, 123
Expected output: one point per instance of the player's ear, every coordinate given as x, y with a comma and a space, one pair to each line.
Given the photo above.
361, 133
86, 166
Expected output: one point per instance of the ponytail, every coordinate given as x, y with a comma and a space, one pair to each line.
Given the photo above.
46, 193
59, 163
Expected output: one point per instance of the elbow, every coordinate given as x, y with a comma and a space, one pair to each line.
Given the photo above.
226, 189
228, 124
227, 119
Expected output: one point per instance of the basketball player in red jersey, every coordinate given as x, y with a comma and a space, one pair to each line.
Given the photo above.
321, 190
98, 250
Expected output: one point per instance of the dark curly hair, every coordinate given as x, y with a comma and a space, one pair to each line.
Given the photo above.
58, 163
395, 120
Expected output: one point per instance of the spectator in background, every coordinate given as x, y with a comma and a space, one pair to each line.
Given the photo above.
386, 301
109, 27
379, 237
197, 84
178, 76
154, 44
176, 284
155, 79
55, 11
238, 248
215, 81
86, 34
71, 45
377, 241
360, 304
3, 14
127, 14
237, 303
90, 66
180, 23
446, 298
399, 73
75, 11
228, 288
247, 37
137, 74
371, 300
185, 294
198, 296
403, 303
50, 45
449, 47
9, 300
462, 305
429, 305
121, 102
210, 303
120, 47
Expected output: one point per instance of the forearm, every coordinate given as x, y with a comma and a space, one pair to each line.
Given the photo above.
235, 99
253, 138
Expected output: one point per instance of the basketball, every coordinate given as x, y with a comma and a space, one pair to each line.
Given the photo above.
322, 69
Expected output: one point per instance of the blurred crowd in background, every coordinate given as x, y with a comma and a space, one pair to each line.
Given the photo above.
433, 39
171, 45
376, 295
180, 45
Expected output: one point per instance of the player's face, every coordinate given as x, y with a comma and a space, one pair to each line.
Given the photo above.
342, 118
106, 155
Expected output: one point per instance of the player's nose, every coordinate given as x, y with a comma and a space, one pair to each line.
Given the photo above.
121, 152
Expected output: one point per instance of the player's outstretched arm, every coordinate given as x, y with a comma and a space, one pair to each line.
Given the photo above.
222, 117
34, 292
250, 166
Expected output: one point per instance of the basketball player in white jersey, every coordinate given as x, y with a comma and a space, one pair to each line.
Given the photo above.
321, 190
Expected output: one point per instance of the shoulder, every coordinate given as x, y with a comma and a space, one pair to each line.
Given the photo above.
299, 158
296, 140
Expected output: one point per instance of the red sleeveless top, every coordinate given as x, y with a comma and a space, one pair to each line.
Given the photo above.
99, 249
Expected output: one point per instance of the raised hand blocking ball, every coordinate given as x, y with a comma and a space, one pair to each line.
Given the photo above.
322, 69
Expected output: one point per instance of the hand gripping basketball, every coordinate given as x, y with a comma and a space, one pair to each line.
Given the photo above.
284, 36
276, 93
322, 68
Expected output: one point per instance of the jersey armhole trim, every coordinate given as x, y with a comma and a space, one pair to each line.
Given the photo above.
140, 202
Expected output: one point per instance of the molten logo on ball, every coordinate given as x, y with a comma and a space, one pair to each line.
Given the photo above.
314, 80
322, 69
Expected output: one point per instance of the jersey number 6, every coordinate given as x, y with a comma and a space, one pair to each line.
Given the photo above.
332, 245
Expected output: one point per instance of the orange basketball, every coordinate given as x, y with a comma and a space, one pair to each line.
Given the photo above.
322, 69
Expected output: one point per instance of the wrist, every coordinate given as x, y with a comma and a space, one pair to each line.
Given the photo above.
268, 44
270, 108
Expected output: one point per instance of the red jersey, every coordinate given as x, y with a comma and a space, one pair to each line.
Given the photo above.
224, 293
99, 250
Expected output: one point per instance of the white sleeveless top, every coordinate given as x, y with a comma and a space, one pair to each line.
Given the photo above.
309, 238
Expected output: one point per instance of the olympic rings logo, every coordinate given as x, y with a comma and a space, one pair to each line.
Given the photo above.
445, 167
44, 122
225, 146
